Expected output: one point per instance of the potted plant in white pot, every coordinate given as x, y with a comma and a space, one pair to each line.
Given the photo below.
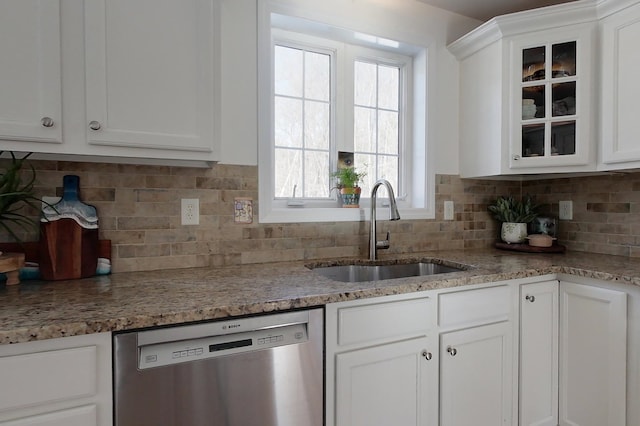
514, 216
347, 183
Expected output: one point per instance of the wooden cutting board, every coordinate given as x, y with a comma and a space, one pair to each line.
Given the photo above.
67, 250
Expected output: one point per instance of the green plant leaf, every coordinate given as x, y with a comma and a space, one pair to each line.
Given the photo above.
508, 209
15, 194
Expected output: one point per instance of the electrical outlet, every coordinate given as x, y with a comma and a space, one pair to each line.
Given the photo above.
190, 211
448, 210
566, 210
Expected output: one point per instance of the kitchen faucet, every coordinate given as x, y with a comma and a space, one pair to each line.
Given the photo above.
374, 245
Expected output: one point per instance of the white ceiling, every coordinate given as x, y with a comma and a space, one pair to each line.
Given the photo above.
487, 9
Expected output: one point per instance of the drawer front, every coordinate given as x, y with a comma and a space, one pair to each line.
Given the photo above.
383, 321
45, 377
473, 307
81, 416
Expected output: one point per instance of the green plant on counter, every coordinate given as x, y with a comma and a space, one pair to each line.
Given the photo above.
15, 193
508, 209
348, 177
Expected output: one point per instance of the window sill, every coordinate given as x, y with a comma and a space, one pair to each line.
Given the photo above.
306, 215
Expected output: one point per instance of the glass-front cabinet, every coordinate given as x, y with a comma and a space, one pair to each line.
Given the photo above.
551, 115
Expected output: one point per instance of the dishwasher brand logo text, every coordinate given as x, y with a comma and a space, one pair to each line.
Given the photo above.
230, 326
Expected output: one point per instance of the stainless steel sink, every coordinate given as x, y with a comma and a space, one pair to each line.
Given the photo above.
358, 273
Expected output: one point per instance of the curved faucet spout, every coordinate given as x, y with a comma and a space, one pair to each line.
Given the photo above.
374, 245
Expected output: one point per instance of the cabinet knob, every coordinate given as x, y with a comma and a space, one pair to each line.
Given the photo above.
452, 351
516, 157
47, 121
94, 125
530, 298
427, 355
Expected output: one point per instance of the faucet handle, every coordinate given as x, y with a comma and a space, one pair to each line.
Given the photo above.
383, 244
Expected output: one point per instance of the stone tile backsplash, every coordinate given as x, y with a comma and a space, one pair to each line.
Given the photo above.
139, 210
606, 211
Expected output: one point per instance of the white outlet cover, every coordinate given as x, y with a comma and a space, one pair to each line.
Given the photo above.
190, 211
566, 210
448, 210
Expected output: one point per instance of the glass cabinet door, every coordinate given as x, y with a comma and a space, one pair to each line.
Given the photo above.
548, 94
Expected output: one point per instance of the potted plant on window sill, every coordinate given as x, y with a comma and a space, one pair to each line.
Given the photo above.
514, 215
347, 183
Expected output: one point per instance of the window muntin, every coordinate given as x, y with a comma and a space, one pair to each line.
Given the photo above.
302, 122
377, 122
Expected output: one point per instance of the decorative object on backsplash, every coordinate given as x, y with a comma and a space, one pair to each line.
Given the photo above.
514, 215
347, 181
16, 192
69, 236
242, 210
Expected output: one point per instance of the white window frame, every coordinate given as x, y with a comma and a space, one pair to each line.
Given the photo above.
333, 49
405, 63
418, 168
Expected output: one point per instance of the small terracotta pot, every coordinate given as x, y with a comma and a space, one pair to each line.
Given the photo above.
350, 197
540, 240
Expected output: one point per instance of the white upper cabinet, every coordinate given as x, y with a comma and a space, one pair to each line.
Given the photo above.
550, 115
100, 78
30, 70
526, 85
150, 74
620, 89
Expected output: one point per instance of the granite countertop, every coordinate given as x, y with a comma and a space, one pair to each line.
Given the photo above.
38, 310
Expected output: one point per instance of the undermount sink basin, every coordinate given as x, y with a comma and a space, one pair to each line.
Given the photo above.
359, 273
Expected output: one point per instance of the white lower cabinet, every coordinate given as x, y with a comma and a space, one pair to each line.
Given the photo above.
529, 352
403, 361
381, 362
538, 382
56, 382
384, 385
475, 376
593, 349
573, 346
79, 416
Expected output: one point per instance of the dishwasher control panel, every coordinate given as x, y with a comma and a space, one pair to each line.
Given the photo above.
175, 352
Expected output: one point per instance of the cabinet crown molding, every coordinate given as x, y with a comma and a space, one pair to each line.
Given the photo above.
526, 22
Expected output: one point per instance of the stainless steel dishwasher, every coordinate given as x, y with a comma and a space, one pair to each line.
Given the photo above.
263, 370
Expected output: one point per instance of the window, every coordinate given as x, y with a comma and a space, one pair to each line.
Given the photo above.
325, 90
376, 122
302, 122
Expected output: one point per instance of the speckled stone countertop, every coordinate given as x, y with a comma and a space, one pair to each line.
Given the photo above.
40, 310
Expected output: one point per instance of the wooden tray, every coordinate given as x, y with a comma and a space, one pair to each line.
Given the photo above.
10, 264
526, 248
